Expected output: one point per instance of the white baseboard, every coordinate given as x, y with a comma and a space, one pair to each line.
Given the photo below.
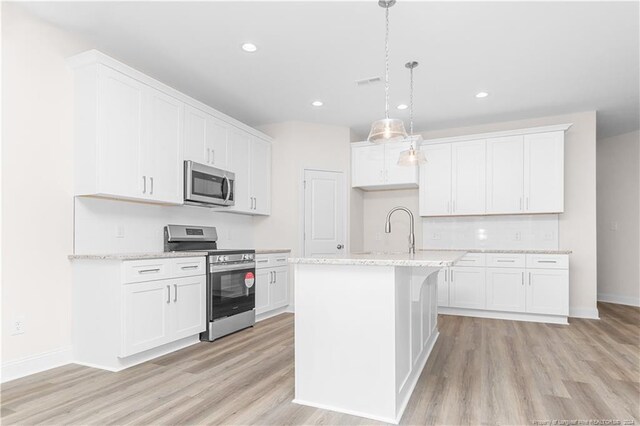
587, 313
511, 316
263, 316
619, 299
22, 367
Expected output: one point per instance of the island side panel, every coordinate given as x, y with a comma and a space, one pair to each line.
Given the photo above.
345, 339
416, 327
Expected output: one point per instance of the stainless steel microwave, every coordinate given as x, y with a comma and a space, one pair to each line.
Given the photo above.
208, 186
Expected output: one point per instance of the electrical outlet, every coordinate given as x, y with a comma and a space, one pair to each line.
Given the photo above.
378, 236
613, 226
517, 236
120, 231
548, 236
17, 325
435, 236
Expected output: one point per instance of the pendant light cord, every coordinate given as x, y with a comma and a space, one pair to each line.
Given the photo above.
411, 103
386, 64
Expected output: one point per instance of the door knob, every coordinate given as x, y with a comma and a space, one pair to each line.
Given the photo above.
340, 246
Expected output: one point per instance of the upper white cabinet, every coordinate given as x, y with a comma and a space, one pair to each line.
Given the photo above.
544, 172
521, 172
128, 140
251, 163
133, 133
375, 166
206, 139
452, 182
505, 174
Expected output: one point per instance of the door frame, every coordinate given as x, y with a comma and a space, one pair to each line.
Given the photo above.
301, 206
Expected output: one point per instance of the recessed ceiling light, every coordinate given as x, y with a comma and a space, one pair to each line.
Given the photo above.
249, 47
482, 95
317, 103
402, 106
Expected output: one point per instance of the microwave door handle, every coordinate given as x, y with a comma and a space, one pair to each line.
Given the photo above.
226, 198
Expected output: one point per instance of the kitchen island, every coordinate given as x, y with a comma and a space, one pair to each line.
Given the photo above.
364, 328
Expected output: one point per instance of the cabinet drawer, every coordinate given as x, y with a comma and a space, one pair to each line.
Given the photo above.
472, 259
506, 260
188, 267
136, 271
548, 261
271, 260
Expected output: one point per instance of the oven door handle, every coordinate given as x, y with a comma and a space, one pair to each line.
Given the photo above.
225, 268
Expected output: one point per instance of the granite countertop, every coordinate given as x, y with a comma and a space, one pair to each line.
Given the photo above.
137, 256
271, 251
421, 258
510, 251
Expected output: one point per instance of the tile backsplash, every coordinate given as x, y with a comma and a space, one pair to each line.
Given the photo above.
535, 232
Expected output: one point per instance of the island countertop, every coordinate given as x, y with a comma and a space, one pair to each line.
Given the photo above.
440, 258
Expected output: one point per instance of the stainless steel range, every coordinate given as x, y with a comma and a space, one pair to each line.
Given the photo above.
230, 279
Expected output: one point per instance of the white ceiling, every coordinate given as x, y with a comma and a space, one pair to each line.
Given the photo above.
535, 59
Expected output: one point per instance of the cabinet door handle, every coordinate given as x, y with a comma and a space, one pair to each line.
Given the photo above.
151, 180
520, 204
448, 206
185, 268
175, 292
208, 155
527, 203
547, 261
452, 275
255, 203
144, 184
529, 279
168, 294
213, 156
275, 277
445, 275
453, 210
523, 278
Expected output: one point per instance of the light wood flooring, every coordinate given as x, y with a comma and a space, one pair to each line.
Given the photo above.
481, 372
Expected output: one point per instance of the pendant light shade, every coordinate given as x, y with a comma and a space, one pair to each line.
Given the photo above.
386, 129
412, 157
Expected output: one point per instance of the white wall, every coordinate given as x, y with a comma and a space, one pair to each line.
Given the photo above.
37, 208
297, 146
577, 225
98, 222
618, 219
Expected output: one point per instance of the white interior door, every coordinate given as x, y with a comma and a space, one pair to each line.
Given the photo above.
324, 214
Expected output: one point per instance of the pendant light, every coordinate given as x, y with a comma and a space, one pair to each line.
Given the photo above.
387, 129
411, 156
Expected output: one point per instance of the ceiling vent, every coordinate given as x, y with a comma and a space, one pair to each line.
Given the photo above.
368, 81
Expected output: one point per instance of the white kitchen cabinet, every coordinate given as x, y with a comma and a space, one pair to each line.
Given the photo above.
189, 306
260, 176
505, 175
129, 311
443, 287
452, 182
435, 181
263, 290
251, 163
547, 291
128, 138
467, 287
206, 139
468, 173
145, 322
161, 163
272, 282
162, 311
375, 166
506, 289
544, 172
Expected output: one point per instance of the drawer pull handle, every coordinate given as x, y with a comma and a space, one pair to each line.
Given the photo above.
505, 260
263, 261
148, 271
547, 261
190, 267
282, 259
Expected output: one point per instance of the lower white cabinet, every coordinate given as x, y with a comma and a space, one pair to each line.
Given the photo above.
126, 312
506, 289
467, 287
537, 292
272, 282
548, 291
